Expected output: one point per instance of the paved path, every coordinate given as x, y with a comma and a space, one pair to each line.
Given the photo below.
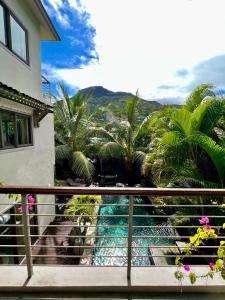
55, 241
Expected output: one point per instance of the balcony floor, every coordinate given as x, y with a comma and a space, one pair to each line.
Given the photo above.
80, 280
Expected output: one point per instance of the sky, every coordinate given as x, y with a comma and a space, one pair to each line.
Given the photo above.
162, 48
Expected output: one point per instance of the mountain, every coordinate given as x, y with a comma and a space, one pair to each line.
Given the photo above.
103, 99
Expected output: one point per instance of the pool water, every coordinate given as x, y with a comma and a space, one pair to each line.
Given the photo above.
119, 244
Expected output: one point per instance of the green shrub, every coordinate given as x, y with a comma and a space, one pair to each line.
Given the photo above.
78, 206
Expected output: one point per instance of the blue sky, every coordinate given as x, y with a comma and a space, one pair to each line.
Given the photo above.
127, 45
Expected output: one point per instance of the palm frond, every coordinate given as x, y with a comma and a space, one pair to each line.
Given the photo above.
171, 138
214, 151
138, 157
197, 96
62, 152
65, 97
81, 165
112, 150
181, 121
144, 128
131, 104
101, 133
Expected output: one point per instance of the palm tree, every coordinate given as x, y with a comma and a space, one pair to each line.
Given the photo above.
71, 132
123, 140
189, 144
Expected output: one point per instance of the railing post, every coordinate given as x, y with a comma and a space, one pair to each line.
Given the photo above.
129, 243
26, 232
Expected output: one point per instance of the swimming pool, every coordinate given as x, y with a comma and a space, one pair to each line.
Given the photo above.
119, 244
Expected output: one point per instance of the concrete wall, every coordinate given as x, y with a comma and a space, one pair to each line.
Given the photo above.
32, 165
13, 71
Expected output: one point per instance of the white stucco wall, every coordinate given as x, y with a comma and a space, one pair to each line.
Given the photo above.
32, 165
13, 71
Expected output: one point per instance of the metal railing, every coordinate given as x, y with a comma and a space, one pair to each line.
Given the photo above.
140, 227
46, 89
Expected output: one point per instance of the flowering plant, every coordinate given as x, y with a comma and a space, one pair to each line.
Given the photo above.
202, 235
31, 202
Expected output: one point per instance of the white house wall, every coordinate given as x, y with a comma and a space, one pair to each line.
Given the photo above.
13, 71
33, 165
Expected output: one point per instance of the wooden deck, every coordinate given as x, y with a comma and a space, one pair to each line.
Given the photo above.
53, 242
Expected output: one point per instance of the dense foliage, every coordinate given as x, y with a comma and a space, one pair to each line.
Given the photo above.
82, 205
174, 146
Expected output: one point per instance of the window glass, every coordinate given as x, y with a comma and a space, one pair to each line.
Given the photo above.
18, 37
2, 26
23, 130
8, 129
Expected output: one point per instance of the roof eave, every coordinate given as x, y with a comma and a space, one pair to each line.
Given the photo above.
47, 20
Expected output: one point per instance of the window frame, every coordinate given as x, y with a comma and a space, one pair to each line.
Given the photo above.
30, 130
5, 25
7, 13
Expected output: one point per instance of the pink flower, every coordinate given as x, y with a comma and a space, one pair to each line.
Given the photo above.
31, 199
187, 268
208, 227
30, 207
211, 266
20, 209
204, 220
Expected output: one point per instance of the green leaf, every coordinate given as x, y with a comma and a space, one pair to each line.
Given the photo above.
220, 252
192, 277
178, 261
210, 274
219, 264
223, 274
179, 275
81, 165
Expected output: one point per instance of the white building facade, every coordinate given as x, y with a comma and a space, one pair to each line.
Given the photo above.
26, 120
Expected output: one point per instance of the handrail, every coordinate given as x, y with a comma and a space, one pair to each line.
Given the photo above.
116, 191
126, 191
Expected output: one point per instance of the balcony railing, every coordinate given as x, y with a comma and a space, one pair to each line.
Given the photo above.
46, 89
139, 232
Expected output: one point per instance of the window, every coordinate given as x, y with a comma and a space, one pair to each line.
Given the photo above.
18, 39
2, 26
15, 130
23, 130
12, 33
8, 129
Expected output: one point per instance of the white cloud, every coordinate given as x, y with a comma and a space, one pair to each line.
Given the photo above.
143, 43
55, 8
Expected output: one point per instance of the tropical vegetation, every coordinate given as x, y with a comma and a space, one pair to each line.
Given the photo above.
71, 132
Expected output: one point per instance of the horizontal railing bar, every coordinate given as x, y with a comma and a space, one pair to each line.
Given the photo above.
71, 216
11, 225
177, 205
81, 236
111, 191
113, 204
76, 256
12, 246
174, 226
175, 255
11, 235
176, 216
125, 246
125, 216
12, 255
65, 204
121, 216
124, 237
114, 266
67, 225
109, 247
111, 256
